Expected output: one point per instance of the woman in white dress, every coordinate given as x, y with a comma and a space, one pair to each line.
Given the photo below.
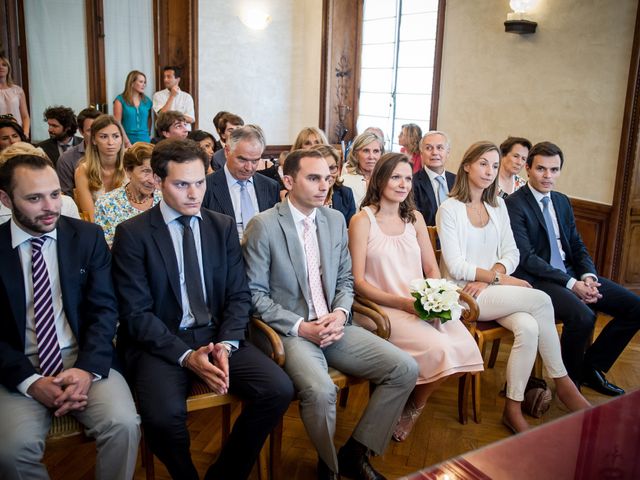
479, 253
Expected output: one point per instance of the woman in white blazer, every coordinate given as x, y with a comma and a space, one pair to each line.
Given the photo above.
479, 253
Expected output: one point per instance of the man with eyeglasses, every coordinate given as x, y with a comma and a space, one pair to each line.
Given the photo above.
236, 190
432, 183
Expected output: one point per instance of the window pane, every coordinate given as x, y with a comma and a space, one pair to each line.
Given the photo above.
377, 56
378, 80
414, 80
379, 9
419, 6
379, 31
416, 53
412, 106
375, 104
418, 26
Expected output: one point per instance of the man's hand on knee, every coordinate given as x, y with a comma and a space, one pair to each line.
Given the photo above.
198, 362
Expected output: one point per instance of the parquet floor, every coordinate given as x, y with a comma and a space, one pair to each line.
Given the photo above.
436, 437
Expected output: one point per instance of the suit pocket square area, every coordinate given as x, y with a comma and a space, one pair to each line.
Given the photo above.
82, 271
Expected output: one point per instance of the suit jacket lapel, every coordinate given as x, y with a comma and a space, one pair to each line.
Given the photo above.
559, 207
293, 246
533, 204
68, 268
261, 192
326, 259
207, 259
13, 280
222, 195
162, 239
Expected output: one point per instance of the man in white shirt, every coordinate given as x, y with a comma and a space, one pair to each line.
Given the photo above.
432, 183
172, 97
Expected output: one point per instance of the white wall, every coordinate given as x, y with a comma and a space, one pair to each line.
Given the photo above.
566, 83
269, 77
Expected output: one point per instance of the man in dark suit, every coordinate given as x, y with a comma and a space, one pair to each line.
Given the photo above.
62, 128
554, 260
184, 309
58, 321
236, 190
432, 183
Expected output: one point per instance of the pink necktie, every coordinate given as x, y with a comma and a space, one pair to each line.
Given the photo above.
313, 269
47, 338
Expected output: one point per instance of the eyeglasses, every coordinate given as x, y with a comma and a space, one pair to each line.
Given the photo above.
333, 168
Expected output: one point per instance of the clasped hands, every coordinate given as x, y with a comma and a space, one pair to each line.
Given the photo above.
325, 330
474, 288
211, 364
587, 290
65, 392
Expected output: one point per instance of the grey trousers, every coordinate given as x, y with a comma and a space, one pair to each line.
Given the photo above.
359, 353
110, 417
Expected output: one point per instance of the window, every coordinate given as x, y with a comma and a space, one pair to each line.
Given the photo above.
397, 65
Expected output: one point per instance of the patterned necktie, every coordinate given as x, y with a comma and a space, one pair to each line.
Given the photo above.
46, 336
313, 269
556, 258
192, 278
442, 189
246, 205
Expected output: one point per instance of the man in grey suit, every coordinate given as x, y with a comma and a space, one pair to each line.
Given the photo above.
299, 272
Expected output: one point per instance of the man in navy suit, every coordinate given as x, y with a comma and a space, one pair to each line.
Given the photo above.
236, 190
184, 308
58, 321
432, 183
554, 260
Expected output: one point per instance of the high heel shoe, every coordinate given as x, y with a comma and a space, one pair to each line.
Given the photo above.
406, 421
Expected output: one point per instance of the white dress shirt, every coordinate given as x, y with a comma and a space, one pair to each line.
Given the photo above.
66, 339
182, 102
434, 183
234, 192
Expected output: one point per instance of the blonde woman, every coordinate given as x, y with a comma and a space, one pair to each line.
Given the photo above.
363, 156
69, 207
409, 141
132, 108
12, 98
479, 253
102, 168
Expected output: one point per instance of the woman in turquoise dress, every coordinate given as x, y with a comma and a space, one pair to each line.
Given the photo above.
132, 108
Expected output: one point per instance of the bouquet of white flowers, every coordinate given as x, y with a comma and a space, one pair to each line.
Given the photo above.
436, 298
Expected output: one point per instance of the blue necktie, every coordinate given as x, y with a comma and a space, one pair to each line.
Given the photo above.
556, 258
246, 205
442, 189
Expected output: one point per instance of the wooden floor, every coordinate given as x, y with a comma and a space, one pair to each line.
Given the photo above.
436, 437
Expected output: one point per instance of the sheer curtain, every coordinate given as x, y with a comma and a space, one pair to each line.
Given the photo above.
57, 58
128, 44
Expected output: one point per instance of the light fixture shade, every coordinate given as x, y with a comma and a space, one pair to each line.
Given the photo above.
522, 6
521, 27
255, 19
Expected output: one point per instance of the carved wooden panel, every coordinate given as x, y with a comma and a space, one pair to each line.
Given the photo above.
592, 221
340, 71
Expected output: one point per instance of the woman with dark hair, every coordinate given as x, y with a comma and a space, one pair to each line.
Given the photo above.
12, 98
409, 140
514, 152
390, 248
207, 142
339, 197
135, 197
479, 254
102, 167
10, 132
132, 108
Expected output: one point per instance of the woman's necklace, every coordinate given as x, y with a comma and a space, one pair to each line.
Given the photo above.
479, 211
132, 198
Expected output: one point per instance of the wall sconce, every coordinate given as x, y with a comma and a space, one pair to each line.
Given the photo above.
516, 21
255, 19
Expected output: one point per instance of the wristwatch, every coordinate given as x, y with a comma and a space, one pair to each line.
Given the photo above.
496, 279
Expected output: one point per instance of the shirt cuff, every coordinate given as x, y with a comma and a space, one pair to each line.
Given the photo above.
588, 274
234, 344
572, 281
24, 386
183, 356
346, 313
294, 330
96, 377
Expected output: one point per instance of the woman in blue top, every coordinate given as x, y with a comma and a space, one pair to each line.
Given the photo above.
132, 108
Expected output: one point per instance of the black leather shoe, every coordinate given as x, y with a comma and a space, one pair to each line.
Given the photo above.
325, 473
595, 380
357, 466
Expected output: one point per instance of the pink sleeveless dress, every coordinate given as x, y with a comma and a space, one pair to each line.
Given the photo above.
440, 350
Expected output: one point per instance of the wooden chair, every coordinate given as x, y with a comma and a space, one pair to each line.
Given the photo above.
265, 338
66, 432
483, 332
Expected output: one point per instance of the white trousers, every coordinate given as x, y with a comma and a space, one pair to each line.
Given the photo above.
528, 313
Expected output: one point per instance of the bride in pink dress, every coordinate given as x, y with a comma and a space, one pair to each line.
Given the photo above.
390, 247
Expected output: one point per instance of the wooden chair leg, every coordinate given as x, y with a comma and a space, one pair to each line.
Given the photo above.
537, 367
463, 397
147, 460
475, 394
226, 423
344, 397
495, 348
275, 450
263, 462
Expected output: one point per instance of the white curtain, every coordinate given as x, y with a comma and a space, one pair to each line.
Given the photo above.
57, 58
128, 28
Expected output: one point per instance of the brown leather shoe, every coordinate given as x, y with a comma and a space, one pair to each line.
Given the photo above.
325, 473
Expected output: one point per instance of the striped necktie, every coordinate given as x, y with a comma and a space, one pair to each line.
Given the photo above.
46, 336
